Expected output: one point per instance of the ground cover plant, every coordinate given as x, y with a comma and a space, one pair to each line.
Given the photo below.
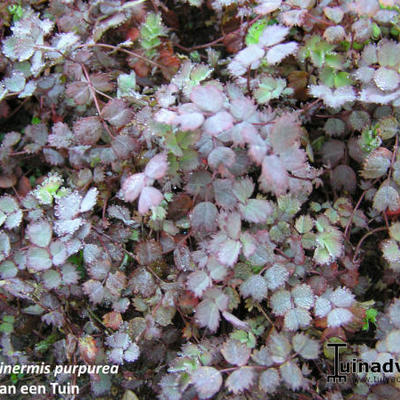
205, 194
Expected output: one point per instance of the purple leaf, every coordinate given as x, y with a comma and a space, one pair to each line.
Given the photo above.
132, 186
204, 217
207, 315
51, 279
208, 98
269, 380
254, 286
274, 176
235, 321
265, 7
39, 233
38, 259
95, 291
53, 157
61, 136
292, 375
189, 121
198, 282
243, 189
132, 353
334, 98
157, 167
229, 252
256, 210
285, 132
89, 201
223, 193
148, 252
281, 51
218, 123
249, 55
117, 113
296, 318
102, 82
221, 155
240, 380
332, 152
344, 177
207, 381
273, 34
88, 130
124, 145
79, 91
236, 353
149, 197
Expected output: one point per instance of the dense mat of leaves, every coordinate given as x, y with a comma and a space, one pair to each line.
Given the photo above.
203, 194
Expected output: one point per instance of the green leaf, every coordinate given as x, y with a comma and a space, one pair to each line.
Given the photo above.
370, 317
255, 31
342, 79
269, 88
150, 32
7, 325
329, 246
304, 224
126, 84
15, 83
46, 192
376, 31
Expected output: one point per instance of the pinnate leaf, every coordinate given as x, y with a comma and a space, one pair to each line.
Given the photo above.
133, 186
89, 201
221, 155
207, 381
208, 98
117, 113
38, 259
198, 282
236, 353
291, 375
306, 347
386, 197
229, 252
150, 197
95, 290
297, 318
88, 130
269, 380
256, 210
273, 34
218, 123
338, 317
157, 167
39, 233
277, 53
204, 217
255, 286
240, 380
